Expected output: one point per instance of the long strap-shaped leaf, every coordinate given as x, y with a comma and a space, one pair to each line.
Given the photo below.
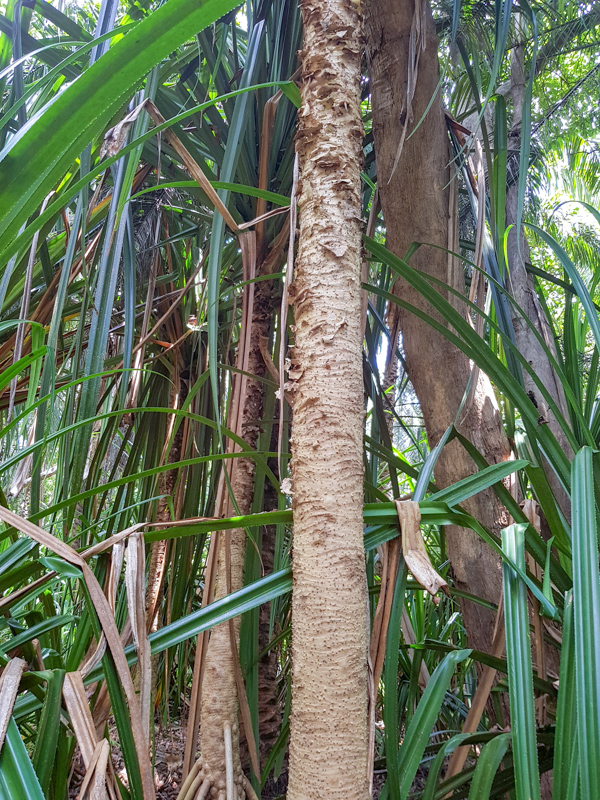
13, 244
586, 612
36, 159
17, 776
487, 766
473, 346
9, 686
518, 654
565, 738
419, 729
109, 629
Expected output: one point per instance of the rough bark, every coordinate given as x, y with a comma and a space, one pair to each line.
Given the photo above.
220, 704
158, 551
416, 203
269, 705
270, 712
329, 741
219, 699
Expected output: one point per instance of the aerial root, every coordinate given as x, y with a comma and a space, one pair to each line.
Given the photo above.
198, 784
249, 789
231, 791
194, 781
187, 784
204, 789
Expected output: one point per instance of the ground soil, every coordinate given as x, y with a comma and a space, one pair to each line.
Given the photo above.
169, 745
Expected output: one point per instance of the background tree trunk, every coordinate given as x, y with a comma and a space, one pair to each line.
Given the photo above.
158, 551
219, 696
416, 203
522, 289
329, 742
270, 711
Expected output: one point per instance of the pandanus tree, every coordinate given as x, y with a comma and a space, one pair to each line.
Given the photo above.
329, 639
163, 319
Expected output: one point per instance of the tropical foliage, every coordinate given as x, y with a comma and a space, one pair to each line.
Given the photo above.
146, 188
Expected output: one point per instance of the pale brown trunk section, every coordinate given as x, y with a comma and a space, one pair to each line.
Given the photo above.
269, 704
219, 699
329, 741
220, 704
416, 205
158, 551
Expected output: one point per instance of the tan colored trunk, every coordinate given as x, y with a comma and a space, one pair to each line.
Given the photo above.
220, 704
219, 695
417, 206
270, 711
329, 738
158, 552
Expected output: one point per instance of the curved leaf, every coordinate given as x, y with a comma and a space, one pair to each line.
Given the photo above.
38, 156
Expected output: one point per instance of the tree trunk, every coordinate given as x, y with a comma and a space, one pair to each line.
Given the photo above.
219, 695
523, 291
220, 703
417, 206
158, 551
270, 710
329, 738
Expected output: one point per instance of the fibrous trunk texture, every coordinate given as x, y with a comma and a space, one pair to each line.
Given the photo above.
158, 551
219, 699
328, 744
220, 704
270, 710
416, 203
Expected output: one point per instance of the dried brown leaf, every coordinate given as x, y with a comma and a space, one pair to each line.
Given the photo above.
135, 582
115, 138
9, 686
109, 629
413, 547
94, 782
192, 166
76, 701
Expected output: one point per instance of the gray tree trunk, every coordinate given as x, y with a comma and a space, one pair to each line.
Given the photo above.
417, 206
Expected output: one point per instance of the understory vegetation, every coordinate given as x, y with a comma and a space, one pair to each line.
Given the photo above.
151, 192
